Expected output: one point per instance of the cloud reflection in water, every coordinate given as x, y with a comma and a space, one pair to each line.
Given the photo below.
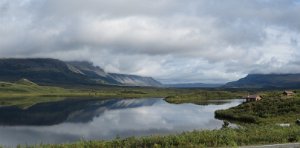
135, 117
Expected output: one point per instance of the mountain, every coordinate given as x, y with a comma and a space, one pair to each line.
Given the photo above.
41, 71
193, 85
46, 71
267, 81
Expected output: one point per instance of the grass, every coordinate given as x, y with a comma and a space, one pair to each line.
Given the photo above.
273, 108
226, 137
198, 96
25, 93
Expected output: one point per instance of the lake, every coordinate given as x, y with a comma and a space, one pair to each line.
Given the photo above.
76, 119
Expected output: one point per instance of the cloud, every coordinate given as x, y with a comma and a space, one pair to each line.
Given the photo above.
174, 41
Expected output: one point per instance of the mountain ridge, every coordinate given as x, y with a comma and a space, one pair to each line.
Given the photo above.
193, 85
47, 71
266, 81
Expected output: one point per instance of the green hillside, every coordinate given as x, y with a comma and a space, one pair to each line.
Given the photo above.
273, 108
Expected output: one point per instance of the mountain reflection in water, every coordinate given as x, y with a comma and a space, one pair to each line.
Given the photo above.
73, 119
70, 110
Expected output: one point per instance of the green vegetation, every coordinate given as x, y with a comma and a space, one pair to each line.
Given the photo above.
273, 108
249, 135
23, 88
198, 96
25, 93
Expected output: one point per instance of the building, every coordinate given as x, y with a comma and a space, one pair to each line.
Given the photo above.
288, 93
253, 98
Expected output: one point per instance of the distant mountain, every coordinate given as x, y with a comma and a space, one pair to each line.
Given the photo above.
267, 81
193, 85
47, 71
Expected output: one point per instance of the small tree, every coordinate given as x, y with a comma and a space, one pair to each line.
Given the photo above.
225, 124
298, 122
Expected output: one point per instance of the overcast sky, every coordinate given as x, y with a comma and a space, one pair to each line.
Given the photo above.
210, 41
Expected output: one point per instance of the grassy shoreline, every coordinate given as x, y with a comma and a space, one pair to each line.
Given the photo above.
226, 137
26, 94
274, 108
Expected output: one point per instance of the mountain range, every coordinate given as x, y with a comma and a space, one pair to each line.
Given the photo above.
46, 71
193, 85
252, 81
267, 81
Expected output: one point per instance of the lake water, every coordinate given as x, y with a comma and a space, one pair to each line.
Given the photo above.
73, 119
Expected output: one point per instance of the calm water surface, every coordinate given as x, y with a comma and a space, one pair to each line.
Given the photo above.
73, 119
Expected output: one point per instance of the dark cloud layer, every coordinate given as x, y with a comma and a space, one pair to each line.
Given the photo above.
172, 40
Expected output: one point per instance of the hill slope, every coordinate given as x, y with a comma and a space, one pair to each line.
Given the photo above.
267, 81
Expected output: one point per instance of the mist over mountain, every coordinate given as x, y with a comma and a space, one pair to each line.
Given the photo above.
47, 71
98, 74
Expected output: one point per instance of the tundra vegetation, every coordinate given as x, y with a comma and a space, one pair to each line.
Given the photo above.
273, 108
26, 93
259, 121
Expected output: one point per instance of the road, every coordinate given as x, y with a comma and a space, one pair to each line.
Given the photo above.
288, 145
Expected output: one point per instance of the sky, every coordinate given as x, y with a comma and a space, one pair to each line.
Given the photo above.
174, 41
